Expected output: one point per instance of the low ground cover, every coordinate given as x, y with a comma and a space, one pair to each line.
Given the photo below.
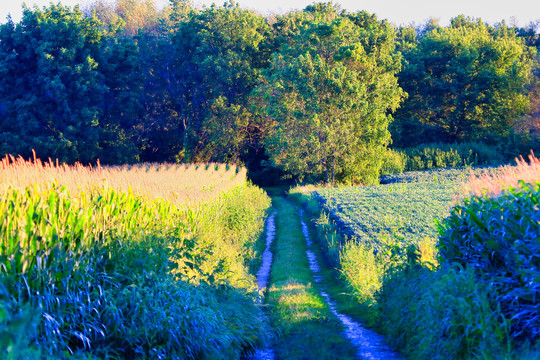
400, 213
89, 269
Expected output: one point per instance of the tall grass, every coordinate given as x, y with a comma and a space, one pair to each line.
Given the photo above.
116, 262
496, 180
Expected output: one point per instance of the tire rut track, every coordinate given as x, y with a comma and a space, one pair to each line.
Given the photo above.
265, 353
370, 345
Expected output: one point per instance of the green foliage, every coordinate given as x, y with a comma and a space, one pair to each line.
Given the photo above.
18, 326
327, 94
363, 273
498, 237
433, 176
465, 83
329, 239
50, 87
122, 106
167, 318
69, 89
442, 155
218, 55
393, 162
397, 213
309, 97
112, 273
484, 307
432, 314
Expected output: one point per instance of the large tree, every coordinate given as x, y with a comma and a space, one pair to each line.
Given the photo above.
328, 94
466, 82
50, 88
219, 55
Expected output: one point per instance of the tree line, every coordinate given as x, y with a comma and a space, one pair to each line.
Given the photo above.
315, 94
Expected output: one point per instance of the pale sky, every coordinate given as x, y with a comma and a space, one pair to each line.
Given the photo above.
395, 11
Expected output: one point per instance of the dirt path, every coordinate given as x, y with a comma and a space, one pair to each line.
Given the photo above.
302, 312
266, 353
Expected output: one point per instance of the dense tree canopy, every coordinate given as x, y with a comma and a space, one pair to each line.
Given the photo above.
309, 94
328, 92
217, 63
466, 82
50, 89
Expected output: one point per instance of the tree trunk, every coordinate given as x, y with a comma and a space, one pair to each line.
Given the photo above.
333, 169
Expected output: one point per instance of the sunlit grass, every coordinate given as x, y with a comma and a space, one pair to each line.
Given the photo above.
307, 327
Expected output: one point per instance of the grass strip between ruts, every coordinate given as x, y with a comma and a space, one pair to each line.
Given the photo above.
308, 329
325, 235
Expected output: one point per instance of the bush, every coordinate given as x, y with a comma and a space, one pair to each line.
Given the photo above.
441, 155
432, 314
498, 236
394, 162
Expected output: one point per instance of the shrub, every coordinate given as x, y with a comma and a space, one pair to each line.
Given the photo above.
432, 314
393, 162
441, 155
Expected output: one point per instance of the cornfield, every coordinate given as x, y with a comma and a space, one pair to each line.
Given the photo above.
178, 183
74, 240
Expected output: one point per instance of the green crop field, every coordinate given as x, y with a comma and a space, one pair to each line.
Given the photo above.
414, 253
404, 210
143, 262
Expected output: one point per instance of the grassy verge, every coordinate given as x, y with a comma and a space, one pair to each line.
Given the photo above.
307, 328
330, 243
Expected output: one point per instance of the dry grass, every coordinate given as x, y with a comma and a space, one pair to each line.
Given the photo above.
180, 184
497, 180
